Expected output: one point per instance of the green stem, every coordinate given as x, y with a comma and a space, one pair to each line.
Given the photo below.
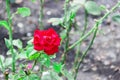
10, 35
41, 66
92, 30
86, 23
41, 70
68, 28
78, 47
41, 26
80, 60
35, 62
1, 63
64, 55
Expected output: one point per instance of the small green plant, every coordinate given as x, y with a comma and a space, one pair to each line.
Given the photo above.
41, 49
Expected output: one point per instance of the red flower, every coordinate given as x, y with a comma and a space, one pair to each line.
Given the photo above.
46, 40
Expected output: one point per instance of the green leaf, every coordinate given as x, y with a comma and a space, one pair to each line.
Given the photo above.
63, 34
57, 67
55, 21
75, 5
2, 58
92, 8
116, 18
30, 77
22, 55
33, 77
8, 52
30, 42
8, 61
44, 60
18, 43
2, 62
7, 43
25, 78
24, 11
15, 51
4, 24
28, 52
34, 56
102, 7
72, 16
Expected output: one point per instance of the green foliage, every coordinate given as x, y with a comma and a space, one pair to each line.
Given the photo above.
102, 7
44, 60
22, 76
63, 34
55, 21
4, 24
8, 62
2, 63
18, 43
75, 5
28, 53
34, 56
5, 62
92, 8
57, 67
116, 18
7, 43
24, 11
30, 77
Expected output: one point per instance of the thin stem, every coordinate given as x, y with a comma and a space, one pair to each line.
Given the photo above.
1, 63
35, 62
86, 23
41, 26
68, 28
10, 35
80, 60
64, 55
78, 47
92, 30
41, 70
41, 66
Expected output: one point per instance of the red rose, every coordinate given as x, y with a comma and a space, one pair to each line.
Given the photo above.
46, 40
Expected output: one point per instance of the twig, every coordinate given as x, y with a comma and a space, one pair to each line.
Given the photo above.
95, 29
10, 35
41, 26
78, 47
92, 30
68, 28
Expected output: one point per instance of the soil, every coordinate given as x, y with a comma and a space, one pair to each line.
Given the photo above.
103, 59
